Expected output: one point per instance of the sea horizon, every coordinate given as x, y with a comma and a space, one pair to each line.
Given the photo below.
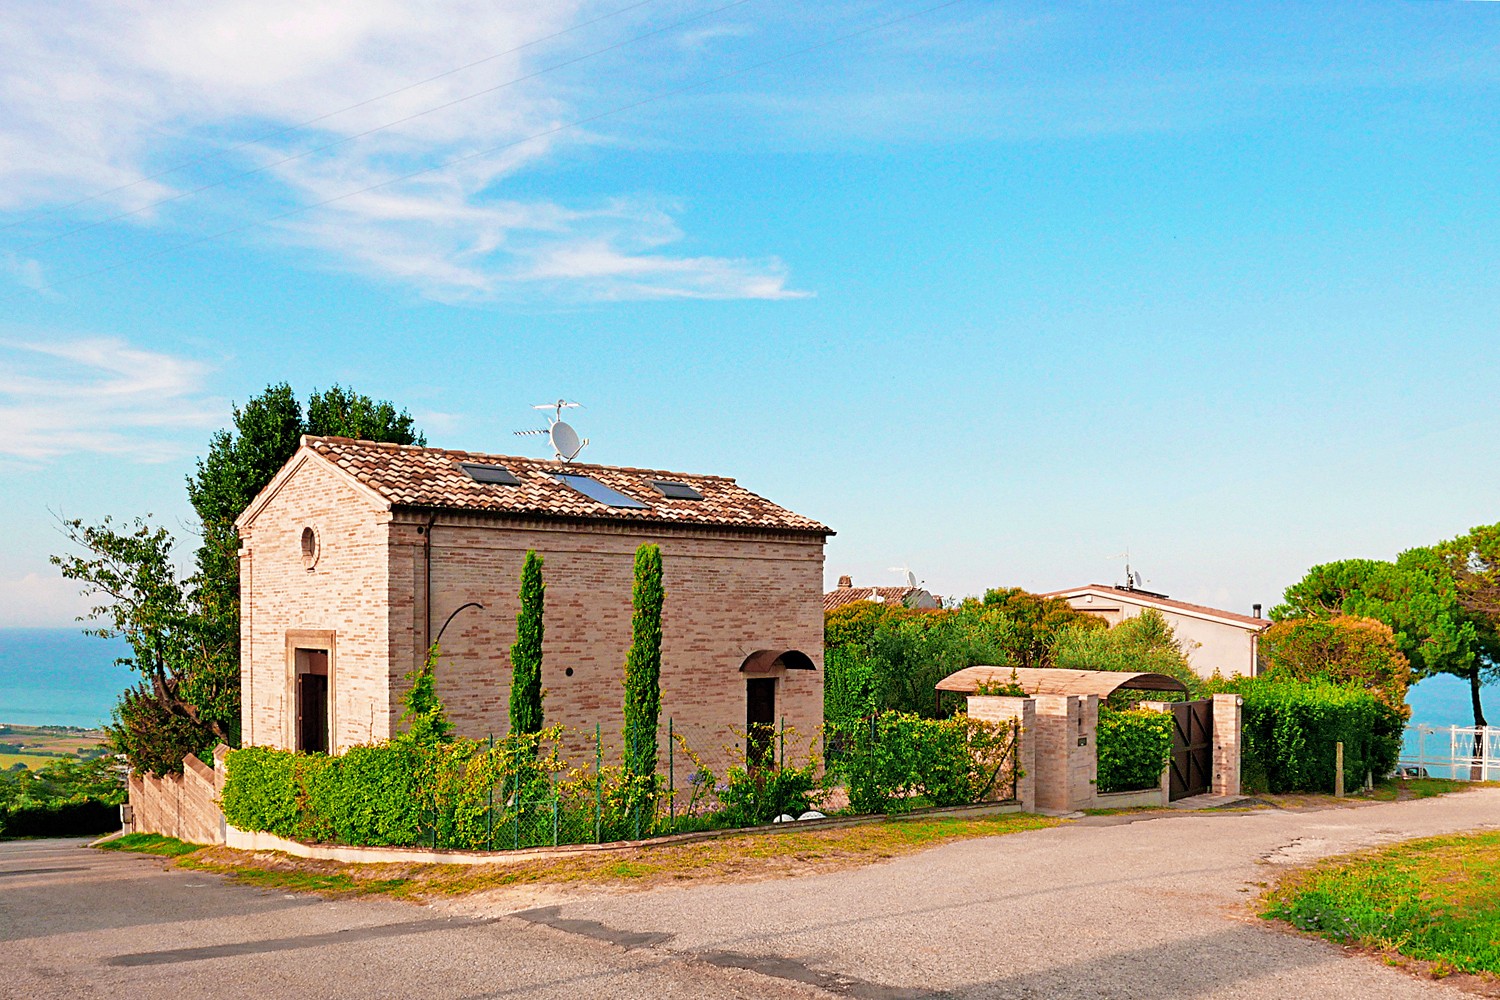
59, 676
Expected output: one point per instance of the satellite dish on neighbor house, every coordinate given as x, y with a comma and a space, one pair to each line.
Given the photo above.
911, 578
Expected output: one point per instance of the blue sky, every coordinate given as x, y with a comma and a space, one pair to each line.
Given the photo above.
997, 291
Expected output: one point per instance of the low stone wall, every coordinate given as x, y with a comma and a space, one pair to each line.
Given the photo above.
185, 806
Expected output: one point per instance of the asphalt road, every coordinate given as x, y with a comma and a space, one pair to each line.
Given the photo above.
1101, 908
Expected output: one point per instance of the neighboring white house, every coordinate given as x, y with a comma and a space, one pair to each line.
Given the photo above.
1212, 639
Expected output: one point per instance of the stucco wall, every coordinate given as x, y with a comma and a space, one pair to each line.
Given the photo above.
1210, 645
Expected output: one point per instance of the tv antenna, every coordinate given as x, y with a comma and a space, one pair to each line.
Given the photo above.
911, 578
566, 444
1133, 579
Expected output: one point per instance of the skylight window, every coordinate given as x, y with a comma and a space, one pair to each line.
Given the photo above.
676, 491
499, 475
595, 490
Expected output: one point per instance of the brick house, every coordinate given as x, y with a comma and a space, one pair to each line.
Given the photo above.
356, 554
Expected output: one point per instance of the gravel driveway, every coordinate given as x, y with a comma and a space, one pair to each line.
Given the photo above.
1101, 908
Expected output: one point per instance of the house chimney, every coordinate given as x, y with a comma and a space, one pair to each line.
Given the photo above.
845, 582
1257, 609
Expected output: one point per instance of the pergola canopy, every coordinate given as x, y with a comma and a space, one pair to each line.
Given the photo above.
1044, 680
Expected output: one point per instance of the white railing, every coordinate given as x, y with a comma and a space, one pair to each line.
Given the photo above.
1463, 752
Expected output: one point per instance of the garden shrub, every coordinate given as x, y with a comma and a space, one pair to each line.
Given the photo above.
1134, 747
75, 818
1291, 729
400, 793
259, 793
750, 797
898, 759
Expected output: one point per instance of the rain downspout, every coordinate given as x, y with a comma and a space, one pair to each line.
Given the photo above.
426, 533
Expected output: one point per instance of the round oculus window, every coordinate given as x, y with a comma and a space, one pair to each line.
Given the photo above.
309, 547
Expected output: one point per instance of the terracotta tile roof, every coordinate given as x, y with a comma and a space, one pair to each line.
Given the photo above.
848, 595
410, 476
1156, 601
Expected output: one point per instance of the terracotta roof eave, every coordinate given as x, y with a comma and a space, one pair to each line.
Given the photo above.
645, 522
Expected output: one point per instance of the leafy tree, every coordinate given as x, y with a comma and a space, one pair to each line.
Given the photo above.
1025, 626
643, 666
855, 623
526, 651
423, 715
1143, 643
188, 697
63, 780
242, 461
1418, 596
892, 657
1343, 649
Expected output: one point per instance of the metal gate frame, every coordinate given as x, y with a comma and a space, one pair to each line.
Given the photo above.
1192, 748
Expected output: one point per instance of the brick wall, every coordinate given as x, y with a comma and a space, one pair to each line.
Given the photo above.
1227, 727
346, 593
1067, 762
728, 595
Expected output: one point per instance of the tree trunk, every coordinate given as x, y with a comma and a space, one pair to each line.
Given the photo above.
1474, 693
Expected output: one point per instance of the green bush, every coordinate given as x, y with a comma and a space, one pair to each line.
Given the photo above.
400, 793
896, 760
77, 818
749, 797
1133, 747
259, 793
1291, 729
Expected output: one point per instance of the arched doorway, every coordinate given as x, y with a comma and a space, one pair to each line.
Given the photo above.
765, 671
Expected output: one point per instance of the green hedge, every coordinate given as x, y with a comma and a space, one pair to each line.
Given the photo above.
396, 794
1291, 729
896, 760
78, 818
1133, 747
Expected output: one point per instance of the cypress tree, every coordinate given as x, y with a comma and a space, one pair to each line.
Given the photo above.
643, 665
526, 651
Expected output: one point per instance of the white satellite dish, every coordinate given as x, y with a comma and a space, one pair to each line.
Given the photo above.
566, 444
565, 440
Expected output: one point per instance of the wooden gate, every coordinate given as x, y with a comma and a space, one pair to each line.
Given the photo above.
1192, 747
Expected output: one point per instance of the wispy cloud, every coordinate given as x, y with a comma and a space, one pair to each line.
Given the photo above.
99, 396
149, 84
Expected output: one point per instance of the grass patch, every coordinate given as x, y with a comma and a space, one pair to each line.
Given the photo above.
751, 856
1401, 789
1435, 900
151, 843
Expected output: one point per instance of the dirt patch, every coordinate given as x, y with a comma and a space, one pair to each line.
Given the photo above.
532, 883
